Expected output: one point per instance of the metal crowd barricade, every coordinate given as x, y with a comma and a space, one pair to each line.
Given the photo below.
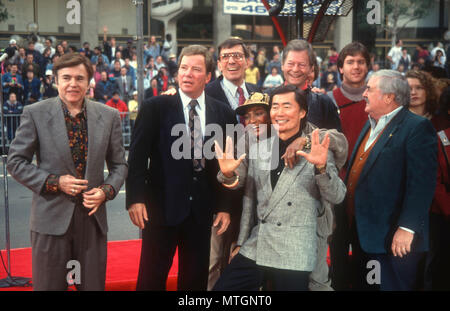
126, 128
12, 122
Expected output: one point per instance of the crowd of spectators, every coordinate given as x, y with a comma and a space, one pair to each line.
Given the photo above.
29, 76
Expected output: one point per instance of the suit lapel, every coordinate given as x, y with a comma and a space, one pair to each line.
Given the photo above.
284, 183
364, 130
96, 132
57, 125
263, 156
219, 93
386, 135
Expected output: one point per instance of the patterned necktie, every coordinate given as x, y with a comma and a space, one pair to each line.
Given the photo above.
241, 102
195, 129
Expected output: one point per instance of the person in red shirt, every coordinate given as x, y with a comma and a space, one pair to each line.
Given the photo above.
353, 65
116, 102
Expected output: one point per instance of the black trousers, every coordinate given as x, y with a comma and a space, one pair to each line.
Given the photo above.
437, 273
245, 275
395, 273
159, 243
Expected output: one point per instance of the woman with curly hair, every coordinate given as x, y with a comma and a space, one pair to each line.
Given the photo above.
423, 93
424, 100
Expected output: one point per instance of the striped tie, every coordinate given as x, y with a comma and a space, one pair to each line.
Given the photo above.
195, 129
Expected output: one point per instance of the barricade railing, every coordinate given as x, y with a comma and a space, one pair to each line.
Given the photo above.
12, 122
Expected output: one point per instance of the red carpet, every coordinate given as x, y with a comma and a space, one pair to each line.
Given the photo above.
121, 271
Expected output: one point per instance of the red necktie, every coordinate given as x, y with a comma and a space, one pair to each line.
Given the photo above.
241, 102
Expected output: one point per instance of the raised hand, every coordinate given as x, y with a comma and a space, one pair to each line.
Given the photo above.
227, 162
319, 151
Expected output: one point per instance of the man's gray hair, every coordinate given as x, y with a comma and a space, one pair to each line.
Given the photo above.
299, 45
393, 82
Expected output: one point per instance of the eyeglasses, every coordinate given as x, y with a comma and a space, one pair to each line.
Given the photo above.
236, 56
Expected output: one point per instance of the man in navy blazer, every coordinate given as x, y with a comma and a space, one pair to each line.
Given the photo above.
173, 199
232, 62
391, 182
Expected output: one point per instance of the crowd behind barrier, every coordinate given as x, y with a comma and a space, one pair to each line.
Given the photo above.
28, 77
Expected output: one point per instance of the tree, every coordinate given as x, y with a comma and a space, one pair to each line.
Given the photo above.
404, 11
4, 15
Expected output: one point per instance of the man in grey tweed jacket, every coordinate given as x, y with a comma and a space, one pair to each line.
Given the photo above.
278, 237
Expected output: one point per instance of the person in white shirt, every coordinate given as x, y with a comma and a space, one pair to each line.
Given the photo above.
273, 80
395, 53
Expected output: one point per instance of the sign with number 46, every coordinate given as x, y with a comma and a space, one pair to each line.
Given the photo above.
244, 7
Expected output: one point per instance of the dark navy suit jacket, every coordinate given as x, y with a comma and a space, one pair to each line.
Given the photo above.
166, 184
215, 90
397, 184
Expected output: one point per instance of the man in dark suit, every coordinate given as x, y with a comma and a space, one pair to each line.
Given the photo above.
231, 89
173, 199
390, 187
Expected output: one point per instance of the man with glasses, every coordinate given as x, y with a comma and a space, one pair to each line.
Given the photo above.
231, 89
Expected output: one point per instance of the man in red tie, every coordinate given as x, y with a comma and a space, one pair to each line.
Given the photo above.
231, 89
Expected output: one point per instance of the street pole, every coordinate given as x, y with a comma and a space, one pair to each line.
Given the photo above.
140, 52
10, 280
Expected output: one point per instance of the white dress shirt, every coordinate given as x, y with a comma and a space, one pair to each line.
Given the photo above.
200, 109
231, 92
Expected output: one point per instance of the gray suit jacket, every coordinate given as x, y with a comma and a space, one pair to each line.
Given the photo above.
121, 90
278, 227
43, 132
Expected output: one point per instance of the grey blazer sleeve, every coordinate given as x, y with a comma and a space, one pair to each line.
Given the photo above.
115, 156
331, 187
248, 217
21, 153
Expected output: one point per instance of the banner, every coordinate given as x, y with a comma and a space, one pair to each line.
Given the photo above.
255, 7
244, 7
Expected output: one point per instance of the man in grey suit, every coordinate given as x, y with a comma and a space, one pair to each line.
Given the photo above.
72, 138
278, 233
125, 85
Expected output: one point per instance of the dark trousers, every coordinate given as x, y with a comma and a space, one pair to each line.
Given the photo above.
437, 273
83, 242
401, 274
159, 243
244, 274
396, 274
340, 270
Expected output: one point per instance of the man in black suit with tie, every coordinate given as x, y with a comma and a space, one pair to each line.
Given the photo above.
173, 199
231, 89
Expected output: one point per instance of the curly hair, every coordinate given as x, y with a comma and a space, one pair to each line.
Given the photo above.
428, 84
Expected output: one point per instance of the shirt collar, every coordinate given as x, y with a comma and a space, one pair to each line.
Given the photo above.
186, 100
232, 87
285, 143
384, 119
67, 113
